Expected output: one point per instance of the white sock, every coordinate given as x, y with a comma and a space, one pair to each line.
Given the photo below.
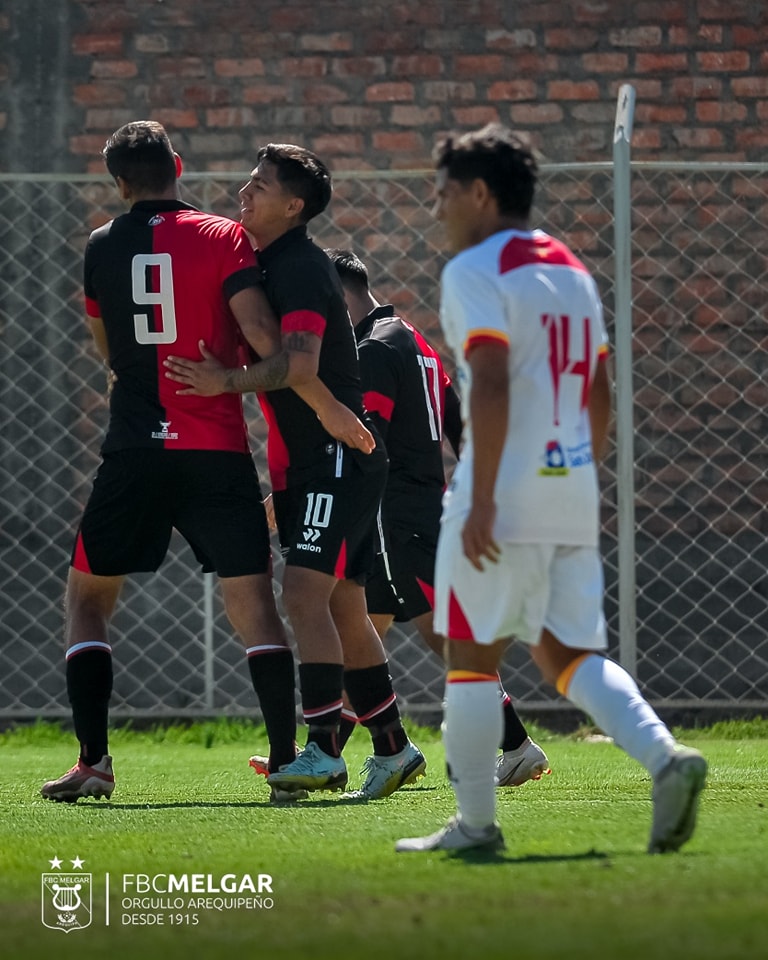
472, 728
605, 691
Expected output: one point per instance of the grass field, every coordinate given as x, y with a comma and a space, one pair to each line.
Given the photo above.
574, 881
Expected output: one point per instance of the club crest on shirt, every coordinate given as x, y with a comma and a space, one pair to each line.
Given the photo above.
156, 220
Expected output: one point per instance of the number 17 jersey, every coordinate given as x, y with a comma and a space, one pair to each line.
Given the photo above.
160, 277
527, 292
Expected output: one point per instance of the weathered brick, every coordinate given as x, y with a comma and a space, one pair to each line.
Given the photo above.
265, 93
152, 43
449, 91
512, 90
328, 42
749, 86
387, 92
635, 37
660, 113
325, 93
730, 61
418, 65
613, 63
230, 117
113, 69
409, 115
396, 141
696, 88
510, 39
475, 66
699, 137
706, 34
710, 111
102, 94
359, 67
250, 67
575, 38
300, 67
533, 114
332, 144
570, 90
476, 116
661, 62
172, 68
111, 44
354, 116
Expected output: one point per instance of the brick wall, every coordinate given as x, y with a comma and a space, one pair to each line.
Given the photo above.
371, 85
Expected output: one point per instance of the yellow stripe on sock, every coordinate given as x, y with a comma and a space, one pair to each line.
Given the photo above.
470, 676
564, 680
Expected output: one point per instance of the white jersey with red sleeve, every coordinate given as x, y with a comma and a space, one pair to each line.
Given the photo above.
527, 292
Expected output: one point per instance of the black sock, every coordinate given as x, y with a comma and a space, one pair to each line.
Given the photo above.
273, 678
89, 687
515, 733
321, 686
373, 700
346, 728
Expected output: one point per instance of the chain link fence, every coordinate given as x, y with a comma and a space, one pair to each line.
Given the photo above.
699, 282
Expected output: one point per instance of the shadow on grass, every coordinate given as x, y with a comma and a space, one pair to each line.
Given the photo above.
498, 857
311, 803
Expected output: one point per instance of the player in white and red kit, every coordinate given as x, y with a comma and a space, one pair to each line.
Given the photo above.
518, 548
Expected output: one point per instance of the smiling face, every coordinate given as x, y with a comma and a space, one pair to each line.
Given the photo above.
267, 210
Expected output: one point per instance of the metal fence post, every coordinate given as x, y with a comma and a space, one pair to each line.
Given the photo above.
625, 460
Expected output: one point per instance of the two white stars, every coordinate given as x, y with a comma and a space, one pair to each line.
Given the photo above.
77, 863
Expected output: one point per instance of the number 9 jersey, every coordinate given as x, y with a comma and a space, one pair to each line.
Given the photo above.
527, 292
160, 278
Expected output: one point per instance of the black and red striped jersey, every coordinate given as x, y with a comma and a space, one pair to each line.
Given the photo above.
304, 290
412, 400
160, 277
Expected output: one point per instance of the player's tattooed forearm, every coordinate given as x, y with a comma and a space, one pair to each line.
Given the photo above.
269, 374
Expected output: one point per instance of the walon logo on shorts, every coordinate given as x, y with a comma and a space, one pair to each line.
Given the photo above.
309, 541
67, 902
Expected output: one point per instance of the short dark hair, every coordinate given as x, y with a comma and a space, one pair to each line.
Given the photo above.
302, 173
352, 272
141, 154
497, 156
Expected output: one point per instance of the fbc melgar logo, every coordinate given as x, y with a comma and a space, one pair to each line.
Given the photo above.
67, 901
144, 899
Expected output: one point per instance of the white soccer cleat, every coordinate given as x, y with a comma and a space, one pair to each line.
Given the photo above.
513, 769
260, 764
454, 836
82, 781
311, 770
384, 775
675, 795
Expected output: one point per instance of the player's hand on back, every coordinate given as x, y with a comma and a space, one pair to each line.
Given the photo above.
202, 378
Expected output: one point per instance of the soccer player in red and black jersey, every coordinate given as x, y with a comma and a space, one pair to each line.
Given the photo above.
325, 495
413, 404
159, 278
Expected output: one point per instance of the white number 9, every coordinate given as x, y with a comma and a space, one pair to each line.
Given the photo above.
162, 298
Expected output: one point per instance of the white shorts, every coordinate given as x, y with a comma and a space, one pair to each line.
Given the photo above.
534, 585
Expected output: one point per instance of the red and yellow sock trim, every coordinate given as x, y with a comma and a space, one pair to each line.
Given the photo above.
471, 676
564, 680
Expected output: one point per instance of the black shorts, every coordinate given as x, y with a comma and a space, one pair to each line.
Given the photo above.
212, 497
329, 523
402, 583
